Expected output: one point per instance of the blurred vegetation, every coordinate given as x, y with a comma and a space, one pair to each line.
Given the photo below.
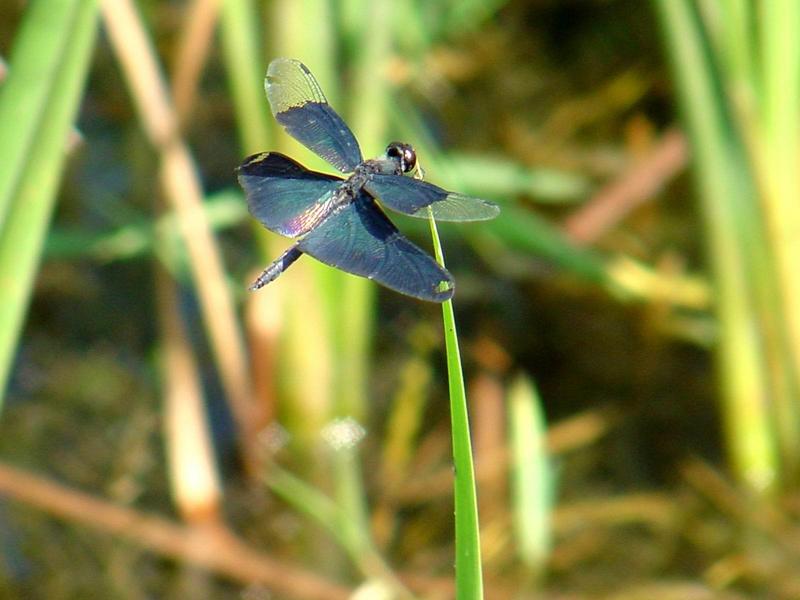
629, 329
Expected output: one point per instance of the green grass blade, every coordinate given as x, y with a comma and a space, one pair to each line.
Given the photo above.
469, 579
738, 41
531, 475
354, 304
466, 15
525, 231
308, 500
224, 209
368, 107
496, 177
38, 164
245, 67
302, 30
36, 60
777, 157
736, 246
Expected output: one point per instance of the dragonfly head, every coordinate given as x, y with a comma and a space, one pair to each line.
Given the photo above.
402, 155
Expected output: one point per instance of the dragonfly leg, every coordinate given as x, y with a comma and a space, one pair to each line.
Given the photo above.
278, 266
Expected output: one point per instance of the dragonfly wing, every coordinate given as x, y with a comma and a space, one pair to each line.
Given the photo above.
297, 102
360, 239
283, 195
413, 197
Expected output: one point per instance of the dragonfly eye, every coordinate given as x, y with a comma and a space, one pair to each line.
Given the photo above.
404, 153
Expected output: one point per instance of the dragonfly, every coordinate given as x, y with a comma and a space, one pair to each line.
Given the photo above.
339, 220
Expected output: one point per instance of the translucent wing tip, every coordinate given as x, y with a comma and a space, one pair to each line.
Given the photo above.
279, 67
276, 63
289, 83
299, 105
488, 210
460, 208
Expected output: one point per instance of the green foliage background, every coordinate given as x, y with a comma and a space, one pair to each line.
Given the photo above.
629, 324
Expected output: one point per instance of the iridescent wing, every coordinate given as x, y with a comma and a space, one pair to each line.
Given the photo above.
283, 195
412, 197
360, 239
297, 102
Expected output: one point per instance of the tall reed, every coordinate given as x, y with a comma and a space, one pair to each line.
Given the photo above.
38, 104
737, 71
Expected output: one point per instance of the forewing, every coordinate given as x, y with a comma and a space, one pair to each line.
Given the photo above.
412, 197
297, 102
360, 239
283, 195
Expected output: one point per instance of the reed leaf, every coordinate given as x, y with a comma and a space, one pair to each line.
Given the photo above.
469, 576
38, 104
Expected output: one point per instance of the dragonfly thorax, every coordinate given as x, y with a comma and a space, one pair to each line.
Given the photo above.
399, 158
353, 184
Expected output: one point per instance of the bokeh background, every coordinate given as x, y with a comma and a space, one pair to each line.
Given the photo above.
629, 325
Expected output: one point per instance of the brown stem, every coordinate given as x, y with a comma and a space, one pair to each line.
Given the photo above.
183, 192
209, 548
637, 185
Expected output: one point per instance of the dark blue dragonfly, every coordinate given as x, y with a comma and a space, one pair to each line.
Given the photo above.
338, 221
